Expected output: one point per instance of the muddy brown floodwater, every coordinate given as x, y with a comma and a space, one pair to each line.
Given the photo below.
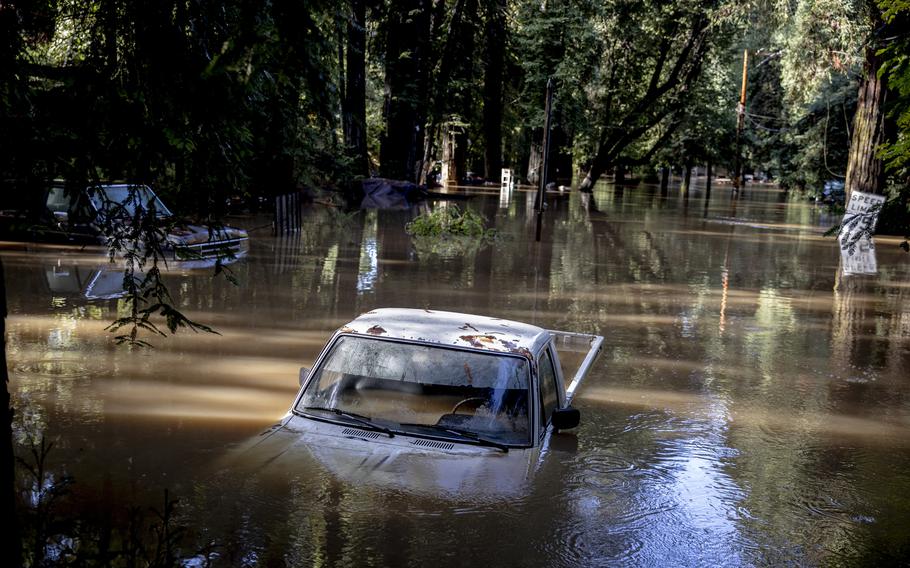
751, 405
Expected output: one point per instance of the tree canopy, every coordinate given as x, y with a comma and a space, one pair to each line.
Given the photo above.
208, 101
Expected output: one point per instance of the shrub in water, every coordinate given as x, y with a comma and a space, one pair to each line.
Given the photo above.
449, 221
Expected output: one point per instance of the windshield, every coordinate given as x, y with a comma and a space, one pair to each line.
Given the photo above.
129, 197
424, 389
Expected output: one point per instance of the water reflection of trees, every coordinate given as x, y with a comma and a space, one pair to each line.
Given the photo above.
787, 372
735, 359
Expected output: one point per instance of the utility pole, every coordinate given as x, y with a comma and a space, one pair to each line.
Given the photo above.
740, 120
545, 162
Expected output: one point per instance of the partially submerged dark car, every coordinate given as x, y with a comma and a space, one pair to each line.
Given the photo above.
89, 216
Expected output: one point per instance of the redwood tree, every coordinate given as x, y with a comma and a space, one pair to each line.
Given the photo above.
407, 35
865, 170
492, 88
354, 106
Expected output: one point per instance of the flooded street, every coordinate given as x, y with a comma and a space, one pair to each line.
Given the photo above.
750, 406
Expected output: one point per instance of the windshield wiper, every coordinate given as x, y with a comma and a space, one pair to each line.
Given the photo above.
473, 436
359, 418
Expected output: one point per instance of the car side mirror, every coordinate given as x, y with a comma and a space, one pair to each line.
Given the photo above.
565, 418
304, 372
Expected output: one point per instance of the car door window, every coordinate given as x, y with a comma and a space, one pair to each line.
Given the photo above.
58, 201
549, 398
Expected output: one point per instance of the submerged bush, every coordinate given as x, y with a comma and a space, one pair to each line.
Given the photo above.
449, 232
450, 221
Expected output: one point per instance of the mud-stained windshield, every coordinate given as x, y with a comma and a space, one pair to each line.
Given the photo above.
424, 389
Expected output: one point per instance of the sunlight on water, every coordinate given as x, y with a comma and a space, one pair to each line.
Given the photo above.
749, 406
873, 431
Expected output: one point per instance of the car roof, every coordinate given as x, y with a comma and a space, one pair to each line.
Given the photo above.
451, 328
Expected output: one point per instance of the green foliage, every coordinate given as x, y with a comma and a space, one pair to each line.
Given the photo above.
202, 100
812, 147
896, 68
704, 129
449, 232
625, 72
819, 39
137, 238
804, 60
448, 222
895, 52
895, 216
211, 100
448, 247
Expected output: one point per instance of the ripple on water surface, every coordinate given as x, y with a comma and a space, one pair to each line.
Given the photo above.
59, 369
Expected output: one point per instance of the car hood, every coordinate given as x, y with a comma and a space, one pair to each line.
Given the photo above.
188, 235
406, 463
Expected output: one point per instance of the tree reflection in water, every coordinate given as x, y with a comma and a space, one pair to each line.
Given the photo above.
749, 406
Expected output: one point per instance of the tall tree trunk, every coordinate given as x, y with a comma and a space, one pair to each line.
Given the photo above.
664, 180
865, 171
434, 102
535, 159
708, 174
596, 170
340, 40
11, 539
492, 89
450, 173
553, 36
425, 52
407, 27
559, 162
687, 178
459, 155
278, 169
463, 73
355, 108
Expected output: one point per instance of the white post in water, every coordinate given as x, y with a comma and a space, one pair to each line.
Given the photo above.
506, 179
505, 188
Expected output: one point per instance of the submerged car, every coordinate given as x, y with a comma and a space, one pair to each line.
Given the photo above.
432, 401
833, 192
89, 216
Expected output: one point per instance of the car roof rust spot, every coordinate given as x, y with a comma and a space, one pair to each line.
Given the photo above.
478, 340
523, 351
450, 328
